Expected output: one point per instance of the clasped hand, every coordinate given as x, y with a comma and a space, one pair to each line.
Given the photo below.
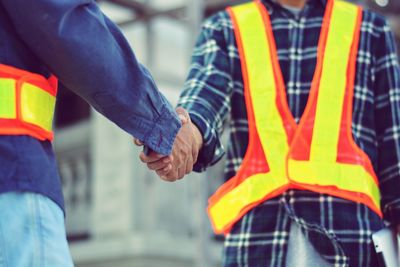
184, 152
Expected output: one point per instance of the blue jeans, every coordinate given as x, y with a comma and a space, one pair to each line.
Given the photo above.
300, 251
32, 232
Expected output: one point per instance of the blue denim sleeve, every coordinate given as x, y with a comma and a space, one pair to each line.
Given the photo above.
90, 56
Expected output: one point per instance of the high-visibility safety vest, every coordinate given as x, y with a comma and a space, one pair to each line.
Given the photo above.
27, 102
319, 154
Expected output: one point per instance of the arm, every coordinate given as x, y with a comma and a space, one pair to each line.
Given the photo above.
387, 108
206, 97
209, 86
90, 56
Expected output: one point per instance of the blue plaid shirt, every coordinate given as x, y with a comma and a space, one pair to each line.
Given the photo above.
340, 230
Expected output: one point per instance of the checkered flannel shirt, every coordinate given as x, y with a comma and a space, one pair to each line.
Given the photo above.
340, 230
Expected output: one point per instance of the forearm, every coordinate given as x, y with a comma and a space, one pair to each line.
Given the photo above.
198, 137
90, 56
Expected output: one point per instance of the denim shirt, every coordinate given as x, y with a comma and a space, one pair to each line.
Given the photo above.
75, 41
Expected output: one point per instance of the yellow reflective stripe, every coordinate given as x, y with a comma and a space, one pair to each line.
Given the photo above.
333, 83
251, 190
37, 106
262, 86
7, 99
269, 124
348, 177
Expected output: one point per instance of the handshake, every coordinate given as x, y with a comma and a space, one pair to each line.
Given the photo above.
187, 145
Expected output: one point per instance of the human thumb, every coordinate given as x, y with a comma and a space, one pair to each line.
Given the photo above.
183, 115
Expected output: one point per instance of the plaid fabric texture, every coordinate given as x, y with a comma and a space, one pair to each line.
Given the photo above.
339, 229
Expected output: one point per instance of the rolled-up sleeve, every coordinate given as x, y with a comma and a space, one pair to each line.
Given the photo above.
90, 56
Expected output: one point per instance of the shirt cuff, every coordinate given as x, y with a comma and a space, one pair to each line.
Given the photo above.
161, 136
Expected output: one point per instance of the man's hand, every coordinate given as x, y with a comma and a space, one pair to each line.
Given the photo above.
184, 153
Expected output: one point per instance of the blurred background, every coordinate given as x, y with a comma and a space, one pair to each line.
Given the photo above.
118, 213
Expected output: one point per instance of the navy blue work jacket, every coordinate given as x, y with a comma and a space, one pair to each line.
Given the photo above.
75, 41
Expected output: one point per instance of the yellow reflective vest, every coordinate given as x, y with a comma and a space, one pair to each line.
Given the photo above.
318, 154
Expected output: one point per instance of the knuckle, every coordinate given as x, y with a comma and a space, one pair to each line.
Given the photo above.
152, 167
188, 150
142, 158
164, 178
171, 179
184, 150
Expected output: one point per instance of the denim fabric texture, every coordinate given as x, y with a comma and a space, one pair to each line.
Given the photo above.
32, 232
89, 55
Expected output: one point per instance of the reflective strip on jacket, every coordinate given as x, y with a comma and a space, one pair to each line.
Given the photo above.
27, 102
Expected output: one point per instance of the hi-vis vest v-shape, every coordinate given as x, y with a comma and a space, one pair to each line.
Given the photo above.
319, 154
27, 102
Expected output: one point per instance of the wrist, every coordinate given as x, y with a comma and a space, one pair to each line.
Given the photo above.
198, 138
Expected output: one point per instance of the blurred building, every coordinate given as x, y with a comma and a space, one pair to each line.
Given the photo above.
118, 213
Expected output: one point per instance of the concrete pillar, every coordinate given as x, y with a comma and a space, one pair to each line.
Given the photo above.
112, 153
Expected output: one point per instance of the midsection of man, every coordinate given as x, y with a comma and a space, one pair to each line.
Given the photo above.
339, 230
89, 55
26, 162
47, 37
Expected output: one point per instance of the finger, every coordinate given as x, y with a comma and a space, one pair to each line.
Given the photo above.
167, 179
189, 165
181, 173
165, 171
177, 159
158, 165
183, 119
195, 152
171, 176
183, 115
137, 142
150, 158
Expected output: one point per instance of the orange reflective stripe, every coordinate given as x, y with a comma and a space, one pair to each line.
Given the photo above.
346, 141
27, 103
333, 81
303, 139
281, 100
242, 198
315, 159
332, 120
346, 177
231, 202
